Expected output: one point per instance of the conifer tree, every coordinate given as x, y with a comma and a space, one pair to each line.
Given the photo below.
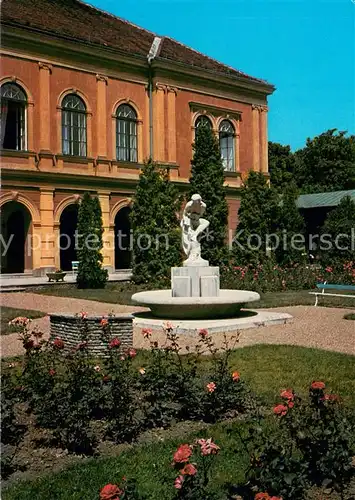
258, 215
338, 234
156, 227
207, 179
90, 272
289, 224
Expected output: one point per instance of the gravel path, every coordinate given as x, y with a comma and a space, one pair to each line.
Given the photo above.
319, 327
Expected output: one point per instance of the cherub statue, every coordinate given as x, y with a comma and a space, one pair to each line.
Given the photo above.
193, 225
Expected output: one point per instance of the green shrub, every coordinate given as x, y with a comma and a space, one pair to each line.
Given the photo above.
90, 272
312, 444
155, 225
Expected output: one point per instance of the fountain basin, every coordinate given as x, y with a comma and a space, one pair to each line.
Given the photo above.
163, 305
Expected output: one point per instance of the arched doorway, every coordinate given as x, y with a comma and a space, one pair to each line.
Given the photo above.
16, 230
123, 251
68, 225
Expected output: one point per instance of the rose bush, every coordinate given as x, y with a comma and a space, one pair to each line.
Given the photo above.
270, 277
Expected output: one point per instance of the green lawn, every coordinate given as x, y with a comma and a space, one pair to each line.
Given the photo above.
9, 313
120, 293
266, 368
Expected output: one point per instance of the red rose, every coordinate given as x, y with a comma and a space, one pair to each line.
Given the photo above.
318, 385
262, 496
51, 372
110, 492
146, 332
287, 394
236, 376
189, 470
115, 343
104, 322
132, 353
28, 344
183, 453
290, 404
280, 410
203, 333
58, 343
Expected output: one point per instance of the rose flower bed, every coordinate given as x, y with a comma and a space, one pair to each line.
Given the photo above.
244, 448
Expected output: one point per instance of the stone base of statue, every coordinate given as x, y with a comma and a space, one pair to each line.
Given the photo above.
192, 262
195, 281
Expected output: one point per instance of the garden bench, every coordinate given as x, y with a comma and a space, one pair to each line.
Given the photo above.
328, 286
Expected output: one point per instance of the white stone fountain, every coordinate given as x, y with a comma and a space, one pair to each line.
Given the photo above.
195, 291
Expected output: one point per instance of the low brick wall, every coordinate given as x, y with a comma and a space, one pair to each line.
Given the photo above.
69, 328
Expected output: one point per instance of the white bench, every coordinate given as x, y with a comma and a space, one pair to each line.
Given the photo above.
328, 286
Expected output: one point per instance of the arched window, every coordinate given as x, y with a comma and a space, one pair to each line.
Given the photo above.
13, 117
203, 121
226, 144
126, 133
73, 126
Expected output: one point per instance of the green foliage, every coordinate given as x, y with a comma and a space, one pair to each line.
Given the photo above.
155, 225
281, 165
289, 224
311, 444
340, 226
90, 272
207, 179
258, 215
327, 163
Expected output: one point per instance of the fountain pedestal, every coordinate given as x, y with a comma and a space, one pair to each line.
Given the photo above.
195, 281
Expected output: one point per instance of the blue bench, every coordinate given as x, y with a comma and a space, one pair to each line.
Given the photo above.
328, 286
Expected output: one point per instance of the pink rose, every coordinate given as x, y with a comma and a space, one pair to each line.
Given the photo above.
211, 387
178, 482
114, 343
318, 385
189, 470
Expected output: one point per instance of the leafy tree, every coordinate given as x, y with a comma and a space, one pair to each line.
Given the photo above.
327, 163
339, 228
207, 179
155, 225
258, 215
90, 272
281, 165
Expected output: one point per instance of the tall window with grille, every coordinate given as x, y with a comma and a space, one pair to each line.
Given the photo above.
126, 134
13, 117
227, 145
203, 121
74, 126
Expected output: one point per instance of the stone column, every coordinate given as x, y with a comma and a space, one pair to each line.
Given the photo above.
256, 138
263, 140
46, 206
108, 236
45, 71
159, 122
171, 127
101, 115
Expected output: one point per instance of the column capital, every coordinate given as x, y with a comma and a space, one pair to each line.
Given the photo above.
260, 107
102, 78
171, 89
45, 66
161, 86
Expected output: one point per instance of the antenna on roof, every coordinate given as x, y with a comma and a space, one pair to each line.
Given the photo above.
154, 49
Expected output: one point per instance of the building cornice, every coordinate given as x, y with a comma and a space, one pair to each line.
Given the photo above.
42, 44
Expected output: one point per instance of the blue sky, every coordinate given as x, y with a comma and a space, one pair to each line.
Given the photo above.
306, 48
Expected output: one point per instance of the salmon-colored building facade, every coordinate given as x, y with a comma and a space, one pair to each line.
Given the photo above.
85, 98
